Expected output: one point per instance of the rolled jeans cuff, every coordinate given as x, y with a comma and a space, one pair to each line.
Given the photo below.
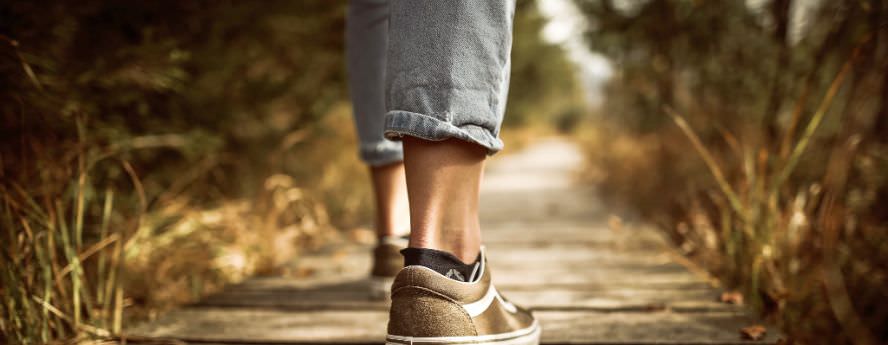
381, 153
399, 123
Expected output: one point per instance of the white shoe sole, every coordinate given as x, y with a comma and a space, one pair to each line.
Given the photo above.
527, 336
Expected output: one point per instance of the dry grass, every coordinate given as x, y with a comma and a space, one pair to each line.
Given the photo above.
807, 249
80, 261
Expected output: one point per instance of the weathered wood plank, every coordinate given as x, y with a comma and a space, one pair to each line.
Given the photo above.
361, 326
355, 295
593, 256
540, 266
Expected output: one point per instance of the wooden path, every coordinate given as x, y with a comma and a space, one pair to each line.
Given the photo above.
550, 249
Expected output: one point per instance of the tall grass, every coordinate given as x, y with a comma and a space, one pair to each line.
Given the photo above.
134, 172
57, 284
796, 228
85, 253
759, 218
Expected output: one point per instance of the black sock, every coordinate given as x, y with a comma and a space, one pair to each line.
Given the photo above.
441, 262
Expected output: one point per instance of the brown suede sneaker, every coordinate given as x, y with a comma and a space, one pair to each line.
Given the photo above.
429, 308
387, 262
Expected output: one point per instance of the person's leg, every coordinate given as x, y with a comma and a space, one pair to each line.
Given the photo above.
447, 79
366, 44
366, 41
443, 181
390, 196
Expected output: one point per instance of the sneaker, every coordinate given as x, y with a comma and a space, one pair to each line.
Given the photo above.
430, 308
387, 262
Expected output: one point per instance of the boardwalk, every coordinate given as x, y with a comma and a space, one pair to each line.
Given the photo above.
550, 249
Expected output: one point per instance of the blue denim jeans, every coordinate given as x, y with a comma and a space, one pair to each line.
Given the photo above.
430, 69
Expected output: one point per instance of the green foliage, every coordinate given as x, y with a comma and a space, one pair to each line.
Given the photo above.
202, 79
775, 173
544, 86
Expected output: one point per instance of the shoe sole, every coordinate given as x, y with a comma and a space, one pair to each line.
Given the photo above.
381, 287
527, 336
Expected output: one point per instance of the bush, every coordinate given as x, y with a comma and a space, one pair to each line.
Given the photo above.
762, 157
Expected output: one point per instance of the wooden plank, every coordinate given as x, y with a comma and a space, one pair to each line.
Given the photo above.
565, 255
539, 206
559, 327
557, 232
531, 265
646, 328
540, 276
355, 295
502, 256
601, 277
290, 285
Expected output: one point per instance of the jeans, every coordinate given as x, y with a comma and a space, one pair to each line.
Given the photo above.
430, 69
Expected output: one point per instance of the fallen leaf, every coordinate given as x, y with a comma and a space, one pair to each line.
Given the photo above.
731, 297
754, 332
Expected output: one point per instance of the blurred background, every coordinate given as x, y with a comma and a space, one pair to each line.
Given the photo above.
151, 152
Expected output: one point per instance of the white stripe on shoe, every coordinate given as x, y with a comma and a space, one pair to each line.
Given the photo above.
478, 307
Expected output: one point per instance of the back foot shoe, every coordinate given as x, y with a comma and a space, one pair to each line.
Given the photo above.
429, 308
387, 262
